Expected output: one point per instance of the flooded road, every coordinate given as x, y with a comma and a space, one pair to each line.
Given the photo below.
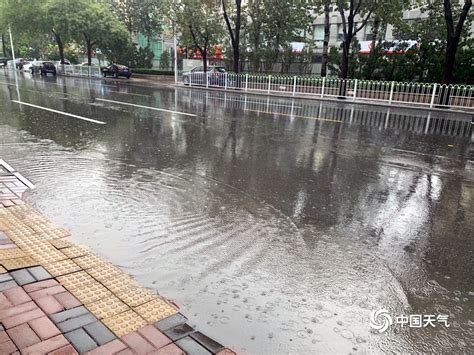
277, 225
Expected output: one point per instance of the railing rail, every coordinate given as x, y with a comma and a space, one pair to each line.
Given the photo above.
423, 94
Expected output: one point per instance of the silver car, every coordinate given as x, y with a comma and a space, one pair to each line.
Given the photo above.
216, 76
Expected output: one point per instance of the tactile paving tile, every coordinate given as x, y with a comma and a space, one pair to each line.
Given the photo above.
75, 251
62, 267
119, 282
61, 243
11, 253
19, 263
90, 292
155, 310
124, 323
75, 280
102, 273
2, 270
135, 296
47, 256
90, 260
107, 307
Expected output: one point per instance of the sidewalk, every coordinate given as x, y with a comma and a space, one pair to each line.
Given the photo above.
60, 298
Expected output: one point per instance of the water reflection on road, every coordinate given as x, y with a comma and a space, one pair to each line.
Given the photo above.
278, 225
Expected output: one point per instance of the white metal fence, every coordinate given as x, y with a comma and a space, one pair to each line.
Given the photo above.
80, 70
425, 94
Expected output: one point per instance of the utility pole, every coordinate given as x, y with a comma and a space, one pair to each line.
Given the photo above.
175, 45
14, 64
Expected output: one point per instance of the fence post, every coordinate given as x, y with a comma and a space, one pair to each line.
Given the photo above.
89, 69
391, 92
206, 75
355, 90
246, 81
225, 80
322, 88
294, 85
269, 83
433, 95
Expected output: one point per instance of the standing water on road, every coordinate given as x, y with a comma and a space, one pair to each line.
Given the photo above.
277, 225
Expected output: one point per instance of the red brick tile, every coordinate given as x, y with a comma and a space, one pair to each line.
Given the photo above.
47, 291
67, 300
23, 336
7, 347
110, 348
170, 349
19, 202
125, 352
154, 336
4, 302
4, 337
7, 246
67, 350
226, 352
40, 285
49, 304
7, 203
18, 319
17, 295
25, 307
47, 346
44, 327
137, 343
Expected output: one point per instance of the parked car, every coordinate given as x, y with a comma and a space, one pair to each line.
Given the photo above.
48, 67
216, 76
116, 70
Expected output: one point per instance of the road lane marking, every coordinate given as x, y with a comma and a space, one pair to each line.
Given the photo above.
60, 112
148, 107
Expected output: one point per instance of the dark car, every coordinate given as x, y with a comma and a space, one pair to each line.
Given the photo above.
117, 70
48, 67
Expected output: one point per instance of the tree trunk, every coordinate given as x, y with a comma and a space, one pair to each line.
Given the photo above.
88, 49
454, 35
204, 64
234, 33
327, 28
59, 42
345, 58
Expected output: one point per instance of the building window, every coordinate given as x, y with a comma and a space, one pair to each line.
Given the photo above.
318, 33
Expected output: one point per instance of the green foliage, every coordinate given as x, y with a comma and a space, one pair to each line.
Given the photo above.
129, 54
165, 60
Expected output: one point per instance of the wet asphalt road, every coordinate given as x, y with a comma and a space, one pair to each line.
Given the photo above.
277, 225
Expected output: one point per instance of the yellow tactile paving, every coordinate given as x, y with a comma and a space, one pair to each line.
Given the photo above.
75, 280
124, 323
118, 283
75, 251
103, 273
61, 243
19, 263
11, 253
155, 310
135, 296
62, 267
90, 260
90, 292
107, 307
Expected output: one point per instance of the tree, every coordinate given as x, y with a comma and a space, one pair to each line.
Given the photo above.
93, 24
254, 31
327, 29
200, 26
454, 32
349, 11
234, 32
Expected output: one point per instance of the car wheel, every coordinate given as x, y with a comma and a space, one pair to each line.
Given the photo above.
105, 75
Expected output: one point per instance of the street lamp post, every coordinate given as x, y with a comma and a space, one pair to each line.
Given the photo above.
14, 64
175, 45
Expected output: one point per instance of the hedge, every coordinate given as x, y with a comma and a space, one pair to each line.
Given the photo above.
152, 71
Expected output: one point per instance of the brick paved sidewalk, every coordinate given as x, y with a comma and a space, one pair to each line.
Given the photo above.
60, 298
